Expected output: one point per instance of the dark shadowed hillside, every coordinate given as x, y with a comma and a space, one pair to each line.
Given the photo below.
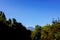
11, 29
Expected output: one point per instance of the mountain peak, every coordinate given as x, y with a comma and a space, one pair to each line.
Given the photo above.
30, 28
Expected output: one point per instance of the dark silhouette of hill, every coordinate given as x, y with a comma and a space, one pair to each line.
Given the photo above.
11, 29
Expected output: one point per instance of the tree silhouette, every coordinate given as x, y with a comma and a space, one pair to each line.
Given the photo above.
13, 30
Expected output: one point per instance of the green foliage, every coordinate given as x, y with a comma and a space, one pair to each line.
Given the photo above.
36, 33
2, 17
48, 32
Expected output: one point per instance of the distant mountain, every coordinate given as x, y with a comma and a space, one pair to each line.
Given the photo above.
30, 28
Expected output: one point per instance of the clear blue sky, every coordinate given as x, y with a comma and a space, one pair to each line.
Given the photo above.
31, 12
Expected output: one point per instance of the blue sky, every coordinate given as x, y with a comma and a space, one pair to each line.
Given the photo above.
31, 12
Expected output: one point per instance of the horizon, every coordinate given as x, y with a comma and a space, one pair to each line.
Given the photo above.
31, 12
